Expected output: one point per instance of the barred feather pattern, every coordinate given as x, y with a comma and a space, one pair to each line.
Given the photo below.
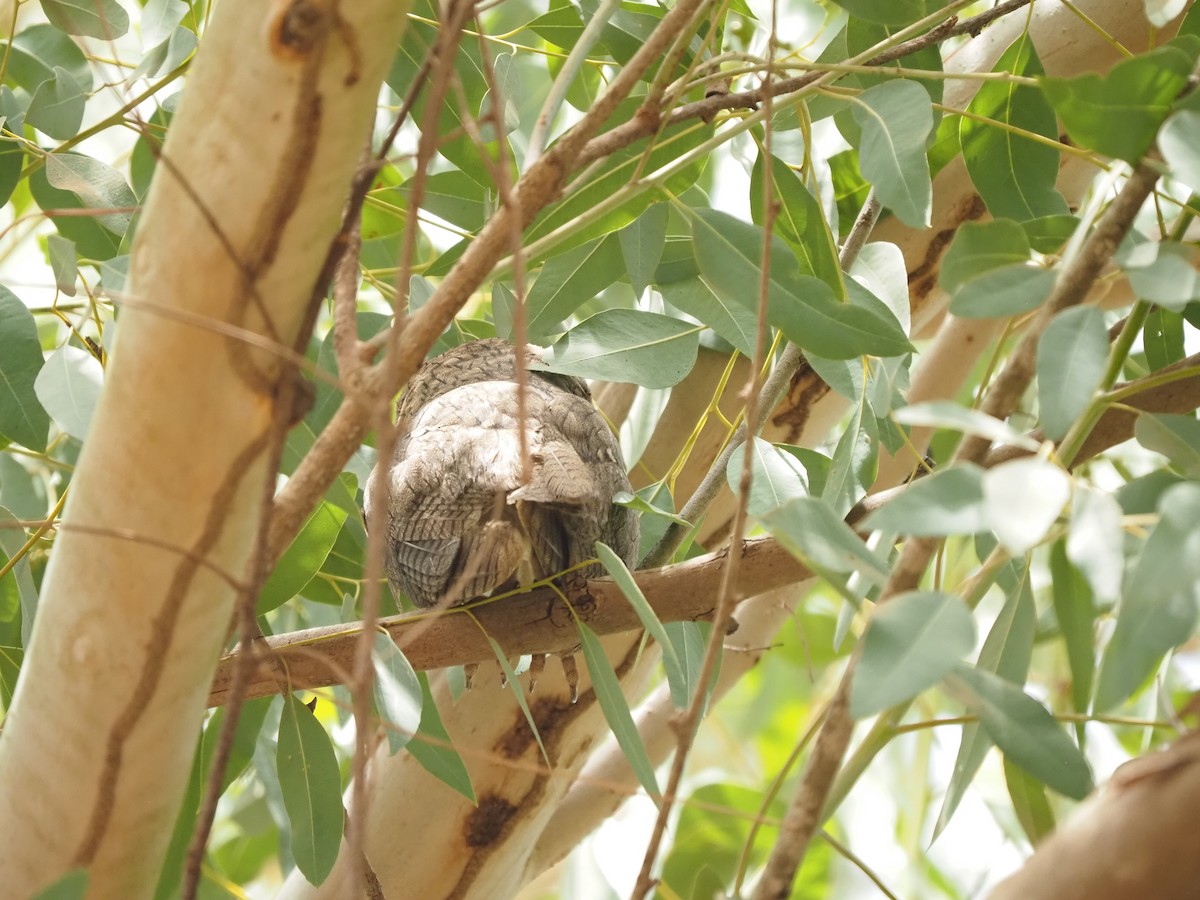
461, 521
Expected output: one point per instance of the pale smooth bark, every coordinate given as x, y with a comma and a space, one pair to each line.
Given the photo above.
237, 226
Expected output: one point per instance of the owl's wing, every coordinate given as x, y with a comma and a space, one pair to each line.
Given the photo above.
450, 528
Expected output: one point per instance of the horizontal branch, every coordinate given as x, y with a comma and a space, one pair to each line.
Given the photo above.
532, 622
536, 621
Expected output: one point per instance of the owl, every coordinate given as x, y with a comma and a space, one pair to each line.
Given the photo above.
464, 520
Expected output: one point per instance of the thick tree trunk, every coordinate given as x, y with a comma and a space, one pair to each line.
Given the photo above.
168, 496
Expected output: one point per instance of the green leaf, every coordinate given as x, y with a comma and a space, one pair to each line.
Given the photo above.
569, 281
312, 790
1022, 499
1163, 338
1076, 614
620, 574
812, 532
56, 108
950, 501
980, 247
619, 170
514, 685
1175, 437
1071, 358
1119, 113
896, 118
1029, 802
1179, 141
1007, 291
397, 692
1014, 175
855, 462
72, 886
433, 750
103, 19
733, 321
1162, 271
455, 197
68, 387
97, 186
37, 49
776, 476
800, 221
886, 12
627, 345
1048, 234
1006, 651
303, 558
642, 244
1027, 733
63, 263
911, 642
22, 418
729, 253
944, 414
1096, 540
689, 640
616, 709
1158, 610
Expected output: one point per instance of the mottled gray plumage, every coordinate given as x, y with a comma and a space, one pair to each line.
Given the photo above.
461, 522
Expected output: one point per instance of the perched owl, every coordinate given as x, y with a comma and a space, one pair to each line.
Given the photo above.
462, 523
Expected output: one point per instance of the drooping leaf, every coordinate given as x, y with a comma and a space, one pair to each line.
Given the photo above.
1096, 541
1029, 802
22, 417
431, 747
733, 321
57, 106
1013, 173
1076, 615
776, 477
312, 790
68, 387
397, 692
910, 644
567, 282
642, 245
800, 221
1158, 610
1027, 733
896, 118
813, 532
1072, 354
1006, 651
303, 558
616, 709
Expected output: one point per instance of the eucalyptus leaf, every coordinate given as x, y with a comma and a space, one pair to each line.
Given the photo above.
628, 345
312, 790
910, 644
